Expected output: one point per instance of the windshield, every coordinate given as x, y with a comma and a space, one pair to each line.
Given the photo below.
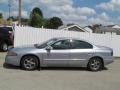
43, 45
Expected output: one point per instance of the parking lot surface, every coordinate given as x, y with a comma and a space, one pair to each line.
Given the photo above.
13, 78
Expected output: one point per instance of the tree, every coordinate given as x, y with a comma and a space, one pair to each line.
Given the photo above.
38, 11
36, 18
46, 23
55, 22
95, 27
1, 15
24, 21
13, 18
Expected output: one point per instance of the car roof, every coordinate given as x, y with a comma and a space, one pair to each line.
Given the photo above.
62, 38
6, 28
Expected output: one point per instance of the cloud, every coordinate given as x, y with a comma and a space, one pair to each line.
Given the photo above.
111, 5
3, 1
24, 14
103, 18
65, 9
57, 2
5, 14
62, 8
85, 11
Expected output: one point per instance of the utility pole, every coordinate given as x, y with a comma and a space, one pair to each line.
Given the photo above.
19, 22
9, 5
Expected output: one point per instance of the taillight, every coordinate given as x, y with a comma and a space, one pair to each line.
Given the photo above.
112, 53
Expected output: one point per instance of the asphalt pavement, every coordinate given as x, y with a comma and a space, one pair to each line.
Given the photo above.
13, 78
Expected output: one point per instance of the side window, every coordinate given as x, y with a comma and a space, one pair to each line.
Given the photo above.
77, 44
62, 44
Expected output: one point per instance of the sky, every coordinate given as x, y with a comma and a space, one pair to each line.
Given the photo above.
82, 12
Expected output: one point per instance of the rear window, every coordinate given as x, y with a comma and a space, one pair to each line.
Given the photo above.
77, 44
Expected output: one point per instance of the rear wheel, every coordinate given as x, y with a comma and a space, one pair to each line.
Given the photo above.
4, 46
29, 63
95, 64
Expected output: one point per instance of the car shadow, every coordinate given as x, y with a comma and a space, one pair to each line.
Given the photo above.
65, 68
7, 66
69, 69
105, 68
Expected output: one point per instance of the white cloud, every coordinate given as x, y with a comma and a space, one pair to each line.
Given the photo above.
111, 5
3, 1
61, 8
57, 2
103, 18
24, 13
105, 6
5, 14
85, 11
66, 10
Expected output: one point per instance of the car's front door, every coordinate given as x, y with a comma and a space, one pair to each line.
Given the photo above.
80, 52
58, 55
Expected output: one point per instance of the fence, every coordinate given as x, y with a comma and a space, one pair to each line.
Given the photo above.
30, 35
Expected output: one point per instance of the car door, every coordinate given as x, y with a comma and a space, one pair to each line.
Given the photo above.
80, 53
58, 55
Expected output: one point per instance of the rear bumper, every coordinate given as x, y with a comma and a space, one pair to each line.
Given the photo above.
108, 61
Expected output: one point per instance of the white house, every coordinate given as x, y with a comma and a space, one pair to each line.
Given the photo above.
87, 28
109, 30
73, 27
114, 26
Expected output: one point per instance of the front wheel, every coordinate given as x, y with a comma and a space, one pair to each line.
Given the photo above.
29, 63
95, 64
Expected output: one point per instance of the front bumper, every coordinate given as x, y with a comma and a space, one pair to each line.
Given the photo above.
12, 60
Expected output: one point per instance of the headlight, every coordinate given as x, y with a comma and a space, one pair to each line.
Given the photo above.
10, 53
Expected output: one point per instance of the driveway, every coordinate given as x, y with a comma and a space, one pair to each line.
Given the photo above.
12, 78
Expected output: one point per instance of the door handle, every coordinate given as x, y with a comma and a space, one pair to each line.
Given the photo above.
89, 53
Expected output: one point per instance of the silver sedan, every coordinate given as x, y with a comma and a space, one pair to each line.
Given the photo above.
61, 52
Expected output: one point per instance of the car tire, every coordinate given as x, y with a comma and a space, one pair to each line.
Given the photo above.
29, 63
4, 46
95, 64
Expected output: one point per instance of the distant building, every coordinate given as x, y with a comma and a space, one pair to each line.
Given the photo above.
73, 27
110, 29
114, 26
87, 28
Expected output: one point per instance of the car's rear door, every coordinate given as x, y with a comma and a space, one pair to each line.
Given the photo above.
80, 52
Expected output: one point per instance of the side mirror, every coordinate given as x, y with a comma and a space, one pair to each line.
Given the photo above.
48, 48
